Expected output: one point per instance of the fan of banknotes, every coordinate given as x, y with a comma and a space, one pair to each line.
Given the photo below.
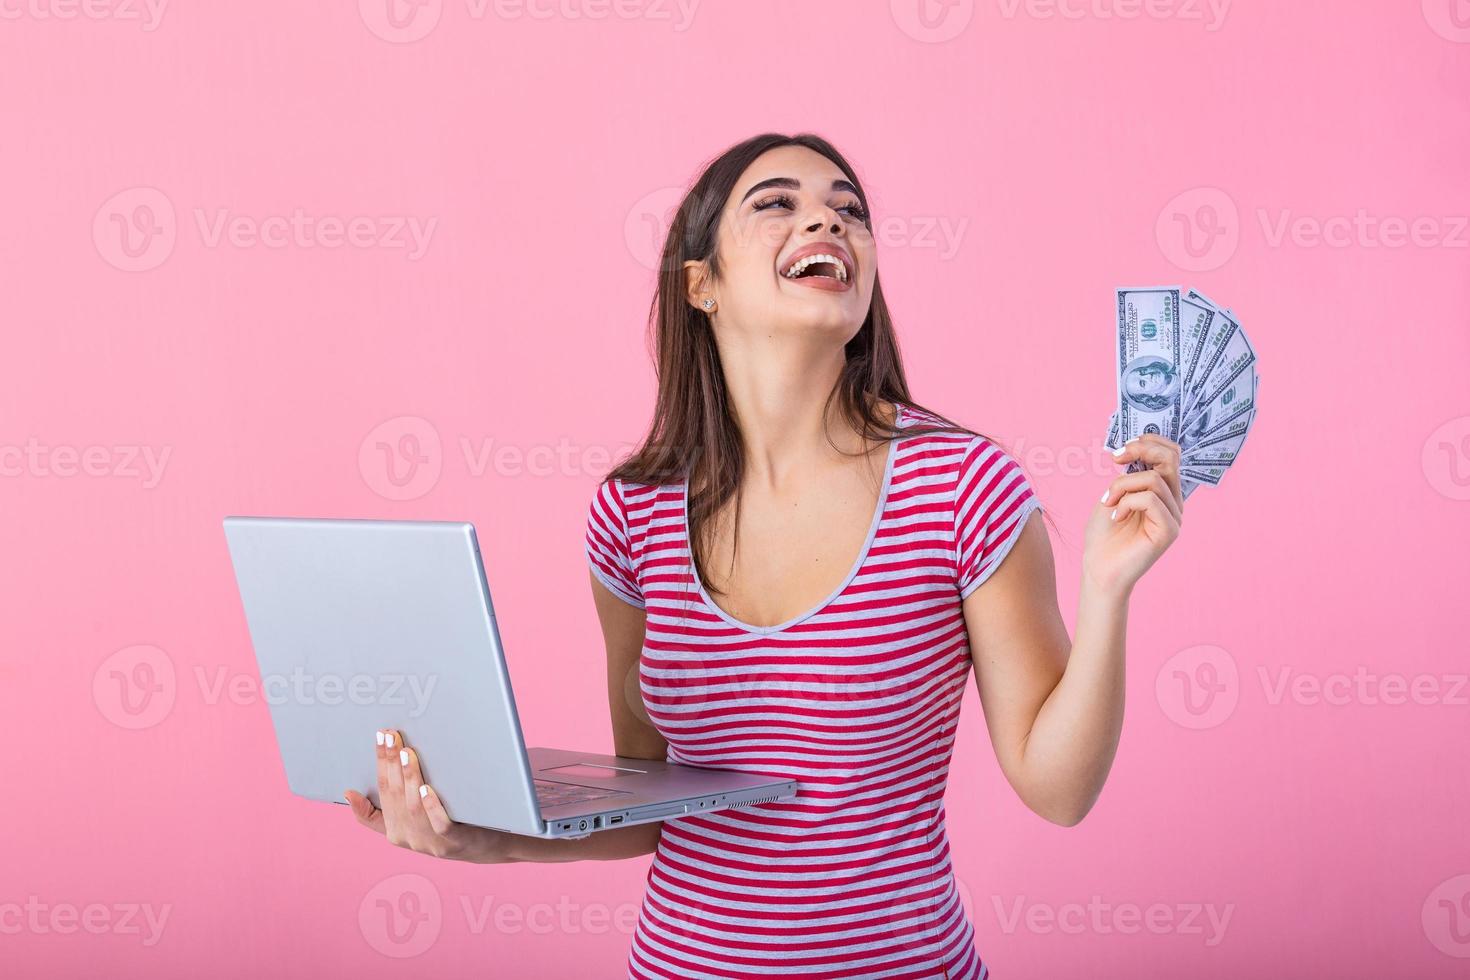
1187, 372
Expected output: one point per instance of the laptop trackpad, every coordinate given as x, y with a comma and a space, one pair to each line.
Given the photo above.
586, 770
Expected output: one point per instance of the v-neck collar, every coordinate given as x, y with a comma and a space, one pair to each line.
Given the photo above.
893, 447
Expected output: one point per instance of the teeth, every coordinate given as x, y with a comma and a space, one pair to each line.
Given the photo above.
800, 266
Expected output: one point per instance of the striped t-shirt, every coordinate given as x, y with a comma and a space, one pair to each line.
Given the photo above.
855, 699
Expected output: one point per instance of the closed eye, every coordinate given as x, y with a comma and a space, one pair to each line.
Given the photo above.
856, 210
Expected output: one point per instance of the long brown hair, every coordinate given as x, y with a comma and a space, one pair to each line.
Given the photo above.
692, 436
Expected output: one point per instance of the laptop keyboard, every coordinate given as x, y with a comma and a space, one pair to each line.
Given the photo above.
558, 794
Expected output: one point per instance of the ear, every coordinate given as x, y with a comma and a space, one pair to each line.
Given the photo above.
696, 283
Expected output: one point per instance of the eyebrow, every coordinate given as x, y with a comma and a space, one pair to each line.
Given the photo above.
791, 183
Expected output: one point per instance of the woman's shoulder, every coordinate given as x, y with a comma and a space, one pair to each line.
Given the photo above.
951, 431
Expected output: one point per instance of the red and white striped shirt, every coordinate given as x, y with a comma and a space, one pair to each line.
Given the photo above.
856, 699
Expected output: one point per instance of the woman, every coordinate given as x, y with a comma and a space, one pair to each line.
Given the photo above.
794, 575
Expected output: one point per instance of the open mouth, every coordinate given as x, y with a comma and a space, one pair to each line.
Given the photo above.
820, 265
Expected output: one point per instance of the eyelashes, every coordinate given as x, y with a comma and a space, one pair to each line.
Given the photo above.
857, 211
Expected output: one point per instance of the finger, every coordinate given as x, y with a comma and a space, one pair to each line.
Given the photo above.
1157, 453
1143, 480
413, 779
1150, 506
434, 810
389, 797
395, 765
362, 808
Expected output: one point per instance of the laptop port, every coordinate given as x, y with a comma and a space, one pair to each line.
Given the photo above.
583, 825
596, 823
613, 820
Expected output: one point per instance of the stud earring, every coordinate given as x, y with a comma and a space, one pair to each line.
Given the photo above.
709, 305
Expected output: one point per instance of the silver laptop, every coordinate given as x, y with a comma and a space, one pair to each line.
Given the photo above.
362, 625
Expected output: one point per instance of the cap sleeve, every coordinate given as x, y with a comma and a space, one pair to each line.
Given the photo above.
608, 551
992, 501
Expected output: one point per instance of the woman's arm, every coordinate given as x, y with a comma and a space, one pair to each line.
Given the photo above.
1054, 705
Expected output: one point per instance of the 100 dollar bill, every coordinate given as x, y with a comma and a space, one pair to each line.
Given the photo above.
1149, 380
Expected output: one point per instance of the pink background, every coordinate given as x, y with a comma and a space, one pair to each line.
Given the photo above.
1023, 159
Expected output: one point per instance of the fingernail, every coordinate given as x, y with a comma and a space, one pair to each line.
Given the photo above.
389, 743
1120, 450
423, 791
1115, 514
403, 756
1104, 498
380, 738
